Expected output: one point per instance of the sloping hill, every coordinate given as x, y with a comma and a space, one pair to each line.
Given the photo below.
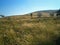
22, 30
44, 13
48, 11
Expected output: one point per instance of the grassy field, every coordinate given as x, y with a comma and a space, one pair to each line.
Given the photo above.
20, 30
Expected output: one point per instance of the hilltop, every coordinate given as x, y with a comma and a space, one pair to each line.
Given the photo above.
44, 13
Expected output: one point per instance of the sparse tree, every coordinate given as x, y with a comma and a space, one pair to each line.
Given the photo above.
58, 13
2, 15
39, 15
31, 15
51, 14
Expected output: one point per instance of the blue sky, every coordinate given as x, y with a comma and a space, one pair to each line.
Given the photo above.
16, 7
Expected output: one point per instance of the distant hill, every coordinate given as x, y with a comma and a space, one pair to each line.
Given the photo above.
22, 30
48, 11
44, 13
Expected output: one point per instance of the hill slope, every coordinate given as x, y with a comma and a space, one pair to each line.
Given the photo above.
44, 13
22, 30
